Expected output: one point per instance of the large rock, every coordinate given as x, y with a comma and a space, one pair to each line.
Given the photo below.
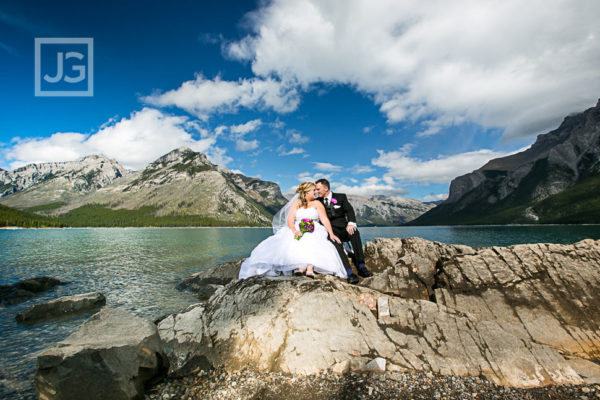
109, 357
67, 305
205, 282
278, 324
181, 335
546, 293
407, 267
26, 289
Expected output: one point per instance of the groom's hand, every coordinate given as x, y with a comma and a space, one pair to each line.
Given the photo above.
350, 229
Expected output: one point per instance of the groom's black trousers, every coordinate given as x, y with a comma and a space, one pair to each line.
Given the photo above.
355, 241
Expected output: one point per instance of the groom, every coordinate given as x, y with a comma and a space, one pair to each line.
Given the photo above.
343, 223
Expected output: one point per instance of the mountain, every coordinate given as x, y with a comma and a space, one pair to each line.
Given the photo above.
57, 183
556, 180
180, 188
185, 184
386, 210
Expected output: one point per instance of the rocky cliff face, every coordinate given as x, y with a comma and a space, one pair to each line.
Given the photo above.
44, 183
557, 161
387, 210
268, 194
184, 182
522, 316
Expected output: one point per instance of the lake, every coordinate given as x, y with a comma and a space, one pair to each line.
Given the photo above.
137, 269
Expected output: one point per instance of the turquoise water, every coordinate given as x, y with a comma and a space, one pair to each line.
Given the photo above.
137, 269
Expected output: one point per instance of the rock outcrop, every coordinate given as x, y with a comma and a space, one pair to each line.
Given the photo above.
110, 356
522, 316
26, 289
546, 293
66, 305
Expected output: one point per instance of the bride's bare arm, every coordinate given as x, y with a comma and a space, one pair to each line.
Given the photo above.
292, 218
325, 221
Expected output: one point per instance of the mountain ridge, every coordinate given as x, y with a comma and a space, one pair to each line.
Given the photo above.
183, 184
58, 181
508, 189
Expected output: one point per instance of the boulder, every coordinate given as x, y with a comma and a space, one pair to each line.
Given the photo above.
67, 305
26, 289
406, 267
181, 334
278, 324
205, 282
110, 356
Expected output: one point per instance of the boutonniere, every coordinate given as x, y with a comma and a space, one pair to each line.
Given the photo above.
333, 201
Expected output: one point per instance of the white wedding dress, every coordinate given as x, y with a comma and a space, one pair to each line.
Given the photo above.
282, 253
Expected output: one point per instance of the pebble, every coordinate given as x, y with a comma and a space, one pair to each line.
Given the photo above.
249, 384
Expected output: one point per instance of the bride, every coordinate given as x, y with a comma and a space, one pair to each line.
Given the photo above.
283, 253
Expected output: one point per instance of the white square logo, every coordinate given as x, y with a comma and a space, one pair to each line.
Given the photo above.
64, 66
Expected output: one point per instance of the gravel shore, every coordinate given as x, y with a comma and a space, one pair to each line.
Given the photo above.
247, 384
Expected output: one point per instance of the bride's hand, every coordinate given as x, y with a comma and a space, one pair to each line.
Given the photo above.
297, 233
335, 239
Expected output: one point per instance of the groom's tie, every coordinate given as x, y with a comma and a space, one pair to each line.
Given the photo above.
326, 202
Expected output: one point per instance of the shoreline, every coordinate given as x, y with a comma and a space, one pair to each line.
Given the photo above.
249, 384
14, 228
268, 227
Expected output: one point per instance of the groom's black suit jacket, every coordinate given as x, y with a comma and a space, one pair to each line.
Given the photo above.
341, 213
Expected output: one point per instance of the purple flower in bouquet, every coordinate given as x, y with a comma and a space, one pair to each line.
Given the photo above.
306, 225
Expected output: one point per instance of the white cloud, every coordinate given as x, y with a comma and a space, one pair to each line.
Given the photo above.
134, 141
211, 38
295, 150
370, 187
367, 129
296, 137
249, 126
312, 177
361, 169
61, 146
246, 145
439, 170
277, 124
203, 97
509, 64
217, 156
435, 197
323, 166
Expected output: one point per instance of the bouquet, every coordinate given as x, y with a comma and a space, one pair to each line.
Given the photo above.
306, 225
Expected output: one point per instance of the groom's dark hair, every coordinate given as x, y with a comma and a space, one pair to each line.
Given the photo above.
323, 182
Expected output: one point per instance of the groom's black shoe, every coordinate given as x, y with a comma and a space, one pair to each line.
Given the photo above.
363, 271
352, 279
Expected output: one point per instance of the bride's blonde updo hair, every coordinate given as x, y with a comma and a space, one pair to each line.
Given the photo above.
304, 188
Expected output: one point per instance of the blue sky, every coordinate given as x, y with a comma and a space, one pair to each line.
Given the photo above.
385, 97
